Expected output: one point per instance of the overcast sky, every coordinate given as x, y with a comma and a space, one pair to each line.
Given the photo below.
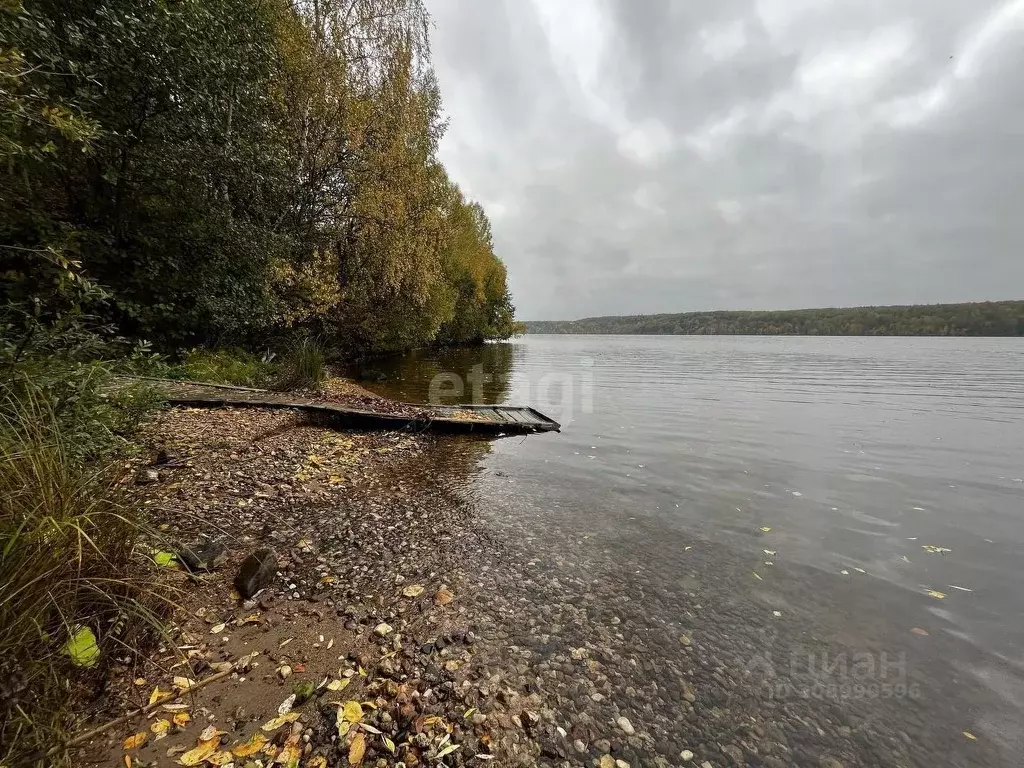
640, 156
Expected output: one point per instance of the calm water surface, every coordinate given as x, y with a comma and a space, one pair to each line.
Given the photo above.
855, 452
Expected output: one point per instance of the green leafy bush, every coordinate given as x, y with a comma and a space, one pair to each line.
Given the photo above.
226, 366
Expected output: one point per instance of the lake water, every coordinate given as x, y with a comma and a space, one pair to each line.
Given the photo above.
871, 472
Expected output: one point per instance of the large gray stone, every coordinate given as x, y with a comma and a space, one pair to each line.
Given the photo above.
204, 556
256, 572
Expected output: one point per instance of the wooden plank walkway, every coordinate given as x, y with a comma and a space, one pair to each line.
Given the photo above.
479, 419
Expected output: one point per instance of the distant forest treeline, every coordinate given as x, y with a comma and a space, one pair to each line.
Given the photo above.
998, 318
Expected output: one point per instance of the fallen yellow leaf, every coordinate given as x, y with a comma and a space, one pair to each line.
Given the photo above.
970, 736
936, 594
357, 749
210, 732
290, 754
160, 727
444, 596
156, 694
352, 712
136, 741
251, 747
223, 757
277, 722
181, 719
338, 685
317, 762
766, 528
199, 753
183, 683
413, 590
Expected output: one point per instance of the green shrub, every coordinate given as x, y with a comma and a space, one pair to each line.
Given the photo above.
304, 367
226, 366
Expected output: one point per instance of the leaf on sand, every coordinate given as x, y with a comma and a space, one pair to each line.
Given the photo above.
919, 631
82, 647
160, 728
352, 712
936, 594
413, 590
251, 747
338, 685
277, 722
447, 750
183, 683
198, 754
770, 552
766, 528
210, 732
444, 596
181, 719
970, 736
156, 694
165, 559
136, 741
961, 589
286, 706
934, 550
221, 757
217, 629
757, 576
357, 749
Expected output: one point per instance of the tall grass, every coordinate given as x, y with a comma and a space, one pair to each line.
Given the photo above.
303, 367
70, 560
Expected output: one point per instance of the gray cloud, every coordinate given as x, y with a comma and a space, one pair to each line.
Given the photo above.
672, 156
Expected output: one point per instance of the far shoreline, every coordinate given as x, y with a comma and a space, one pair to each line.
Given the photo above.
982, 319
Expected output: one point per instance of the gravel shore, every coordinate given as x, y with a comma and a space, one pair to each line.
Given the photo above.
471, 635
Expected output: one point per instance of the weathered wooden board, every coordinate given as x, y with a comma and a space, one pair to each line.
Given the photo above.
480, 419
